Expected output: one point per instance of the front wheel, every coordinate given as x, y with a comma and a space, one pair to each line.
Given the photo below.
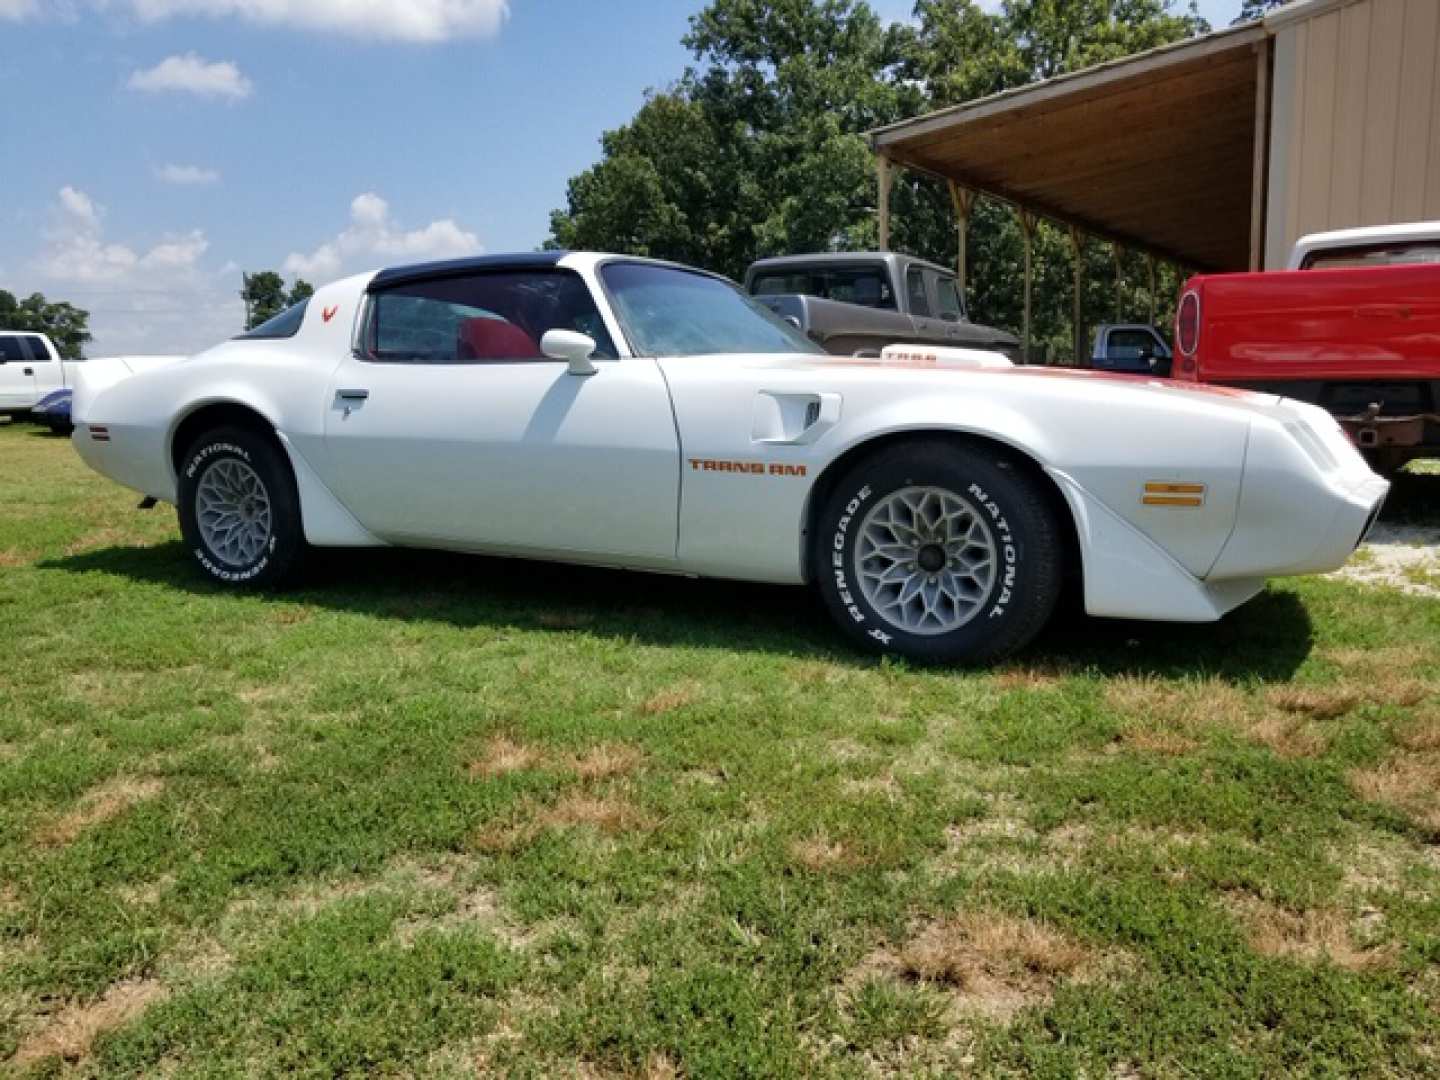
239, 509
940, 553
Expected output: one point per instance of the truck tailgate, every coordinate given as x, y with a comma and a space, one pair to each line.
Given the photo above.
1359, 323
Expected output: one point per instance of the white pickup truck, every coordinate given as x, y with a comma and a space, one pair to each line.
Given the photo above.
30, 369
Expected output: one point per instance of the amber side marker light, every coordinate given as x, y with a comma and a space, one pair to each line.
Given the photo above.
1172, 494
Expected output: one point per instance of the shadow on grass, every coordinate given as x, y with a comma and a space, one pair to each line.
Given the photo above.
1267, 639
1414, 499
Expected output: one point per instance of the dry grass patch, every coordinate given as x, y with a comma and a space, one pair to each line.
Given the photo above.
607, 760
819, 853
504, 756
10, 560
1147, 740
1320, 703
97, 806
1187, 708
1319, 935
1420, 734
70, 1033
1288, 735
1028, 678
1409, 783
994, 964
609, 814
670, 699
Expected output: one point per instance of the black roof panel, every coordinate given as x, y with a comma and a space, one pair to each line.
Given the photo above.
530, 260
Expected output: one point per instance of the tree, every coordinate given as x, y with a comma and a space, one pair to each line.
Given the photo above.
265, 296
759, 147
1256, 9
64, 324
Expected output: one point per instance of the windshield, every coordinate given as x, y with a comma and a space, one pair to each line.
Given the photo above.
672, 312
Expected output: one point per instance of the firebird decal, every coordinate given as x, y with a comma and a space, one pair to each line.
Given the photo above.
329, 313
747, 468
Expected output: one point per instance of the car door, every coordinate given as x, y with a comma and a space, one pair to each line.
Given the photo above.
928, 328
447, 426
48, 369
17, 375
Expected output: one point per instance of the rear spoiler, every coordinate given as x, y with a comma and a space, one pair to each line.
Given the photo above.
92, 376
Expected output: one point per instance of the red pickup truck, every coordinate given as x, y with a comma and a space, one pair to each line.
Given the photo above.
1355, 331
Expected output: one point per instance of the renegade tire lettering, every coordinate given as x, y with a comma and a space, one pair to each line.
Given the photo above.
837, 557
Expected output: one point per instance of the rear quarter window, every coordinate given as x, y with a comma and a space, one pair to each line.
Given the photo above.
285, 325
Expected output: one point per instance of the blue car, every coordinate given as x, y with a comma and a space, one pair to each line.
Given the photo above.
54, 409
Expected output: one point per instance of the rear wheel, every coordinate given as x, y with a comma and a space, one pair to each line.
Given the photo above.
239, 509
939, 553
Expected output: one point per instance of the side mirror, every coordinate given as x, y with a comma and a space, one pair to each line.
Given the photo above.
793, 321
574, 348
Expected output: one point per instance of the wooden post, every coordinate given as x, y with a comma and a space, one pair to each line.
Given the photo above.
1150, 274
1027, 227
1077, 253
1118, 254
1259, 176
882, 170
963, 199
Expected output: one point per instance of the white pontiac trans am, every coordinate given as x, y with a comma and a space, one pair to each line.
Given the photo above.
629, 413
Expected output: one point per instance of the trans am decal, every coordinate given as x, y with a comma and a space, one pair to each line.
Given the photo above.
746, 468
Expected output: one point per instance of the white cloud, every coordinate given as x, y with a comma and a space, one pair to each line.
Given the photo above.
154, 299
373, 235
186, 175
419, 21
191, 74
17, 9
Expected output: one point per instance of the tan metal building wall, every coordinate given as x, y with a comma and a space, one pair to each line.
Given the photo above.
1355, 118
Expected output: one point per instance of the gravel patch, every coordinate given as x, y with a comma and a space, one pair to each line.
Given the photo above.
1404, 557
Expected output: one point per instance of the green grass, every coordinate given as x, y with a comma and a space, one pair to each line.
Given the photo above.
440, 815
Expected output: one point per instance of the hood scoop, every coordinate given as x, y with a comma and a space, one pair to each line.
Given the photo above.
932, 356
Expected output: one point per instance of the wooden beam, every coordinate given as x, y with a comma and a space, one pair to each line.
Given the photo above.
1117, 253
1150, 275
1077, 325
1028, 224
963, 200
1259, 186
882, 170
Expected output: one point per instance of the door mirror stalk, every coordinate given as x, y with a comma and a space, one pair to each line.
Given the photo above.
574, 348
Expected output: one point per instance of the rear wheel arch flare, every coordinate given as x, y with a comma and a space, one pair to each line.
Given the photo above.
837, 470
214, 415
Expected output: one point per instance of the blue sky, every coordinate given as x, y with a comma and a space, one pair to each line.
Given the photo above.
152, 149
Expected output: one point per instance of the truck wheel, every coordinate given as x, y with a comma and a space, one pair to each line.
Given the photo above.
239, 509
939, 553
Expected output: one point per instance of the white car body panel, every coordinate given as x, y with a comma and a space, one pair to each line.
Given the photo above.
706, 465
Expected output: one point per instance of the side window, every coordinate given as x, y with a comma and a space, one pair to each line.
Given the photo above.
948, 298
285, 325
10, 350
1131, 345
481, 318
39, 354
1399, 255
915, 287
